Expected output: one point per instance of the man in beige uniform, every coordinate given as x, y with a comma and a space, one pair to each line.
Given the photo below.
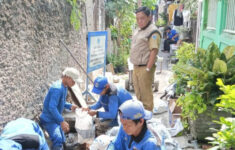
144, 48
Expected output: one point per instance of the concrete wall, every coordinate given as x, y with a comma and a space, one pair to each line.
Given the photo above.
31, 56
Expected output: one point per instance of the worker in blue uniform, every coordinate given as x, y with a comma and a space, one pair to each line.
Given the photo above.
111, 97
21, 134
133, 133
6, 144
172, 38
55, 102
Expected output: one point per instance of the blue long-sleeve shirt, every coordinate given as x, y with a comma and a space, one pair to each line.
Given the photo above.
171, 34
6, 144
146, 141
19, 128
54, 103
111, 102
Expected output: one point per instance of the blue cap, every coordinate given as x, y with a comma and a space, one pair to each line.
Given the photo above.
133, 110
99, 84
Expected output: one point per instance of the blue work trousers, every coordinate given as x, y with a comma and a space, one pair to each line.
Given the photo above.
56, 135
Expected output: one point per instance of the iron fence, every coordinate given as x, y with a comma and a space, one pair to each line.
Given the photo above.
230, 17
212, 14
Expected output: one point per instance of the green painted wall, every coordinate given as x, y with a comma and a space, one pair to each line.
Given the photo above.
221, 38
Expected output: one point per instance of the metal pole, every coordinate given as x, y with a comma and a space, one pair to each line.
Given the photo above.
76, 61
199, 15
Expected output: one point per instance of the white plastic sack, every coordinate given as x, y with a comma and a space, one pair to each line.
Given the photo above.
101, 142
162, 135
177, 128
113, 131
158, 130
84, 126
171, 144
160, 106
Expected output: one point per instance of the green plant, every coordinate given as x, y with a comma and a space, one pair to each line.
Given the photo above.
114, 32
225, 137
163, 16
197, 72
122, 12
191, 5
115, 60
160, 22
118, 61
189, 110
149, 3
75, 15
185, 54
227, 100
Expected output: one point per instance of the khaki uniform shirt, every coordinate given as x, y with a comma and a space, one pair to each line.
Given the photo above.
154, 41
143, 41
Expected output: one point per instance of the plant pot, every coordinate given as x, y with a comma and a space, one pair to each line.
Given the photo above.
200, 128
194, 29
185, 35
119, 69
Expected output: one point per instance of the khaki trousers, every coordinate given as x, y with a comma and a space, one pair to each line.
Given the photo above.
142, 81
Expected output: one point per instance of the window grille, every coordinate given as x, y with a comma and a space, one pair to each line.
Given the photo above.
212, 13
230, 17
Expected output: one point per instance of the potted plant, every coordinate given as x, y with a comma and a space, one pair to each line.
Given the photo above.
160, 23
119, 62
196, 74
162, 20
225, 137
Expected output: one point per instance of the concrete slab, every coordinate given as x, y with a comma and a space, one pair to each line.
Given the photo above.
77, 92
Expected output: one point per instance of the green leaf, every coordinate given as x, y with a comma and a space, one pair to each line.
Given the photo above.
189, 70
231, 65
219, 66
75, 15
212, 54
229, 51
214, 148
210, 138
220, 82
149, 3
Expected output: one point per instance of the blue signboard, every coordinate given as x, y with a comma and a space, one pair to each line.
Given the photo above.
96, 50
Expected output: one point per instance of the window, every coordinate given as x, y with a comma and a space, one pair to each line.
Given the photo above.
212, 13
230, 17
